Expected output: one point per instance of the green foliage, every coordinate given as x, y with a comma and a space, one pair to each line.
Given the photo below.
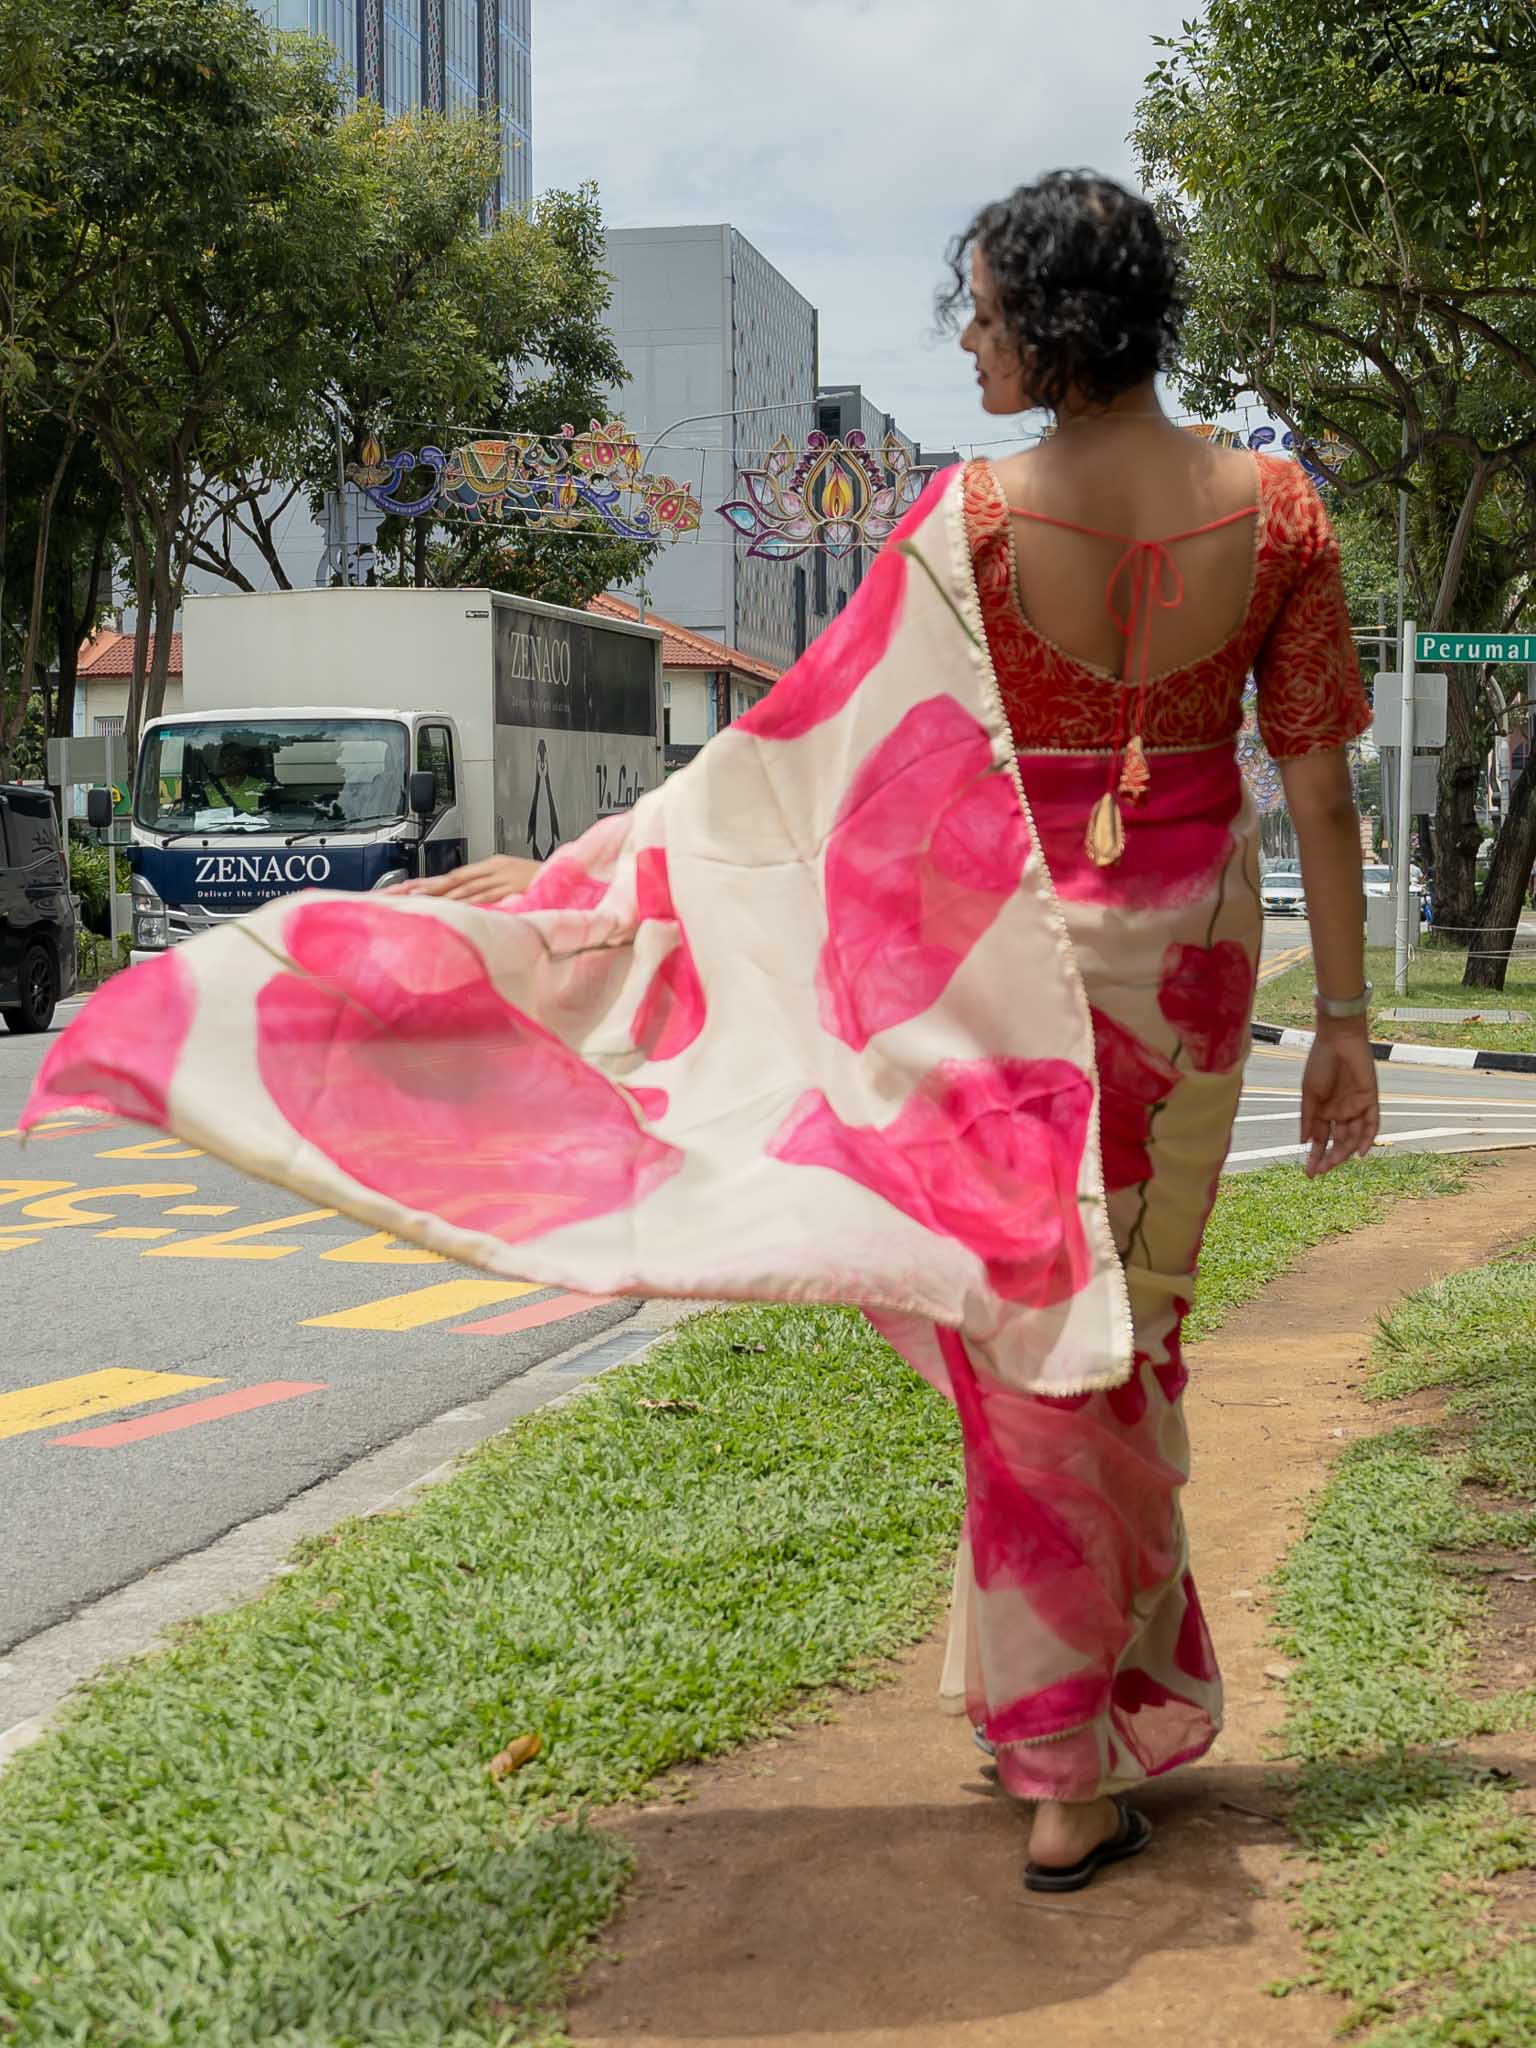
1263, 1222
282, 1829
1434, 983
1408, 1838
88, 867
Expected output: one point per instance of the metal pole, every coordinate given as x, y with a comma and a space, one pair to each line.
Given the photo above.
1403, 829
341, 500
1402, 545
698, 419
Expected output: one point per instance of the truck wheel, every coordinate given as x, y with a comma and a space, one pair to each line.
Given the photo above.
39, 994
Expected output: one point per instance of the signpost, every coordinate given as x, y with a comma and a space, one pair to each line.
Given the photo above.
95, 761
1470, 646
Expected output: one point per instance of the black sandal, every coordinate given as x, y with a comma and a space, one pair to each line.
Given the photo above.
1129, 1839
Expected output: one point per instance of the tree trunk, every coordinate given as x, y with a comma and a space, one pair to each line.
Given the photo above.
420, 530
1457, 832
34, 636
165, 583
72, 624
1509, 875
143, 598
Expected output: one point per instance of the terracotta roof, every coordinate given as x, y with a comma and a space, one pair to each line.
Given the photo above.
683, 648
111, 654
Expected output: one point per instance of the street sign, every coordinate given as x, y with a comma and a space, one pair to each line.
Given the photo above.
1423, 785
82, 760
1476, 647
1429, 695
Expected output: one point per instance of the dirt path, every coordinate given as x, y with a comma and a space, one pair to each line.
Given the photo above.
858, 1884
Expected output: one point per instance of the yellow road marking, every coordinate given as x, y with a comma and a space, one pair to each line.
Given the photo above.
15, 1244
139, 1230
202, 1209
154, 1148
423, 1305
235, 1244
20, 1190
88, 1393
383, 1250
61, 1212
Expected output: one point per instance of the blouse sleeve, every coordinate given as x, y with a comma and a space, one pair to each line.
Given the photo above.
1308, 672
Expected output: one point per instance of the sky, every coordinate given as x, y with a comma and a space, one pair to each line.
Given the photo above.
847, 139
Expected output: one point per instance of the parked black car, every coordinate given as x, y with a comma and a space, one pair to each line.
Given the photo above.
37, 918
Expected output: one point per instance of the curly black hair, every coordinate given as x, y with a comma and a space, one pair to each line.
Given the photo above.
1089, 283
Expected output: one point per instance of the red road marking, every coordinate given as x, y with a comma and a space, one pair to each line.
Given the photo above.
110, 1434
536, 1314
43, 1132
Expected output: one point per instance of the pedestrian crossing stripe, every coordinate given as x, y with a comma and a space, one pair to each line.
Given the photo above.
53, 1403
414, 1310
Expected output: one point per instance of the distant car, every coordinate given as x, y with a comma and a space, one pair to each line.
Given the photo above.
1377, 880
37, 917
1281, 891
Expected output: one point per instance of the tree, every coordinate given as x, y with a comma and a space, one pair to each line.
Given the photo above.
1358, 190
444, 332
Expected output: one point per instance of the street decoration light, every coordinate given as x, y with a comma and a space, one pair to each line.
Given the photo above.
831, 495
559, 480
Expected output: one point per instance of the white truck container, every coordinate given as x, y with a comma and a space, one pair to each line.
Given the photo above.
347, 739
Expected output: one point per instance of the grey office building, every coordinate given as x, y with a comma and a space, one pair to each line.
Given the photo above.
447, 55
706, 325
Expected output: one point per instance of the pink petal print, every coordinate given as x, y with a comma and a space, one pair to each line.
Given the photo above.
120, 1053
1194, 1653
1133, 1079
1173, 1377
1177, 839
984, 1151
927, 846
671, 1012
1066, 1704
1128, 1402
392, 1053
652, 1103
578, 876
837, 661
1206, 993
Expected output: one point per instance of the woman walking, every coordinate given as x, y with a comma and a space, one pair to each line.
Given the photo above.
926, 986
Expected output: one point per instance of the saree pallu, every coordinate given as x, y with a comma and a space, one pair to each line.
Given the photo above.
813, 1022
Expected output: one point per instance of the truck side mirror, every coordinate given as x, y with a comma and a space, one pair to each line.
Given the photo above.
423, 792
98, 809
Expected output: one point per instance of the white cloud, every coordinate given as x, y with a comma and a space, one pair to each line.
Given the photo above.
848, 139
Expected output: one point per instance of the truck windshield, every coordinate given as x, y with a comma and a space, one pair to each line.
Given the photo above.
289, 775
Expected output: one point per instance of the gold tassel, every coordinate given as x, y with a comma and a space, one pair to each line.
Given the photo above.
1135, 772
1104, 841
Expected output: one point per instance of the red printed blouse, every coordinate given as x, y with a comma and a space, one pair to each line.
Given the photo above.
1295, 640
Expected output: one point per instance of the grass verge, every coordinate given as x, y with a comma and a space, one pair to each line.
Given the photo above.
282, 1829
1420, 1847
1434, 982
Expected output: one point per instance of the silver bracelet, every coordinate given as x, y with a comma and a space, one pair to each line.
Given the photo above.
1345, 1006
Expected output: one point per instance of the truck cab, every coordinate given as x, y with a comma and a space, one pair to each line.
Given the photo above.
234, 807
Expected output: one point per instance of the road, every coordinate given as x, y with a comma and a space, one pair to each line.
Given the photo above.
196, 1348
185, 1349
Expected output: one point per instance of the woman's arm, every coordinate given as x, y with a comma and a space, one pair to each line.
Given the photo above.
1339, 1109
483, 881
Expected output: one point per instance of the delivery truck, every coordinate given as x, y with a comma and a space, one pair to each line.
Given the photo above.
349, 739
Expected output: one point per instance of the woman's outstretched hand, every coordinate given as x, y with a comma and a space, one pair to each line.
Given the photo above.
1339, 1108
483, 881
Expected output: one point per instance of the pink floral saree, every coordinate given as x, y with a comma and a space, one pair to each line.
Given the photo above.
840, 1013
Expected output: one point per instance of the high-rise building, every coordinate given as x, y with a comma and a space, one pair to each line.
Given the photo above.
448, 55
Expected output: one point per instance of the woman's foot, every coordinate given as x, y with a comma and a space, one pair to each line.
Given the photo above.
1067, 1827
1065, 1831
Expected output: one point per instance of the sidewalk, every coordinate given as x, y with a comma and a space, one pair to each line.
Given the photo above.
858, 1884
